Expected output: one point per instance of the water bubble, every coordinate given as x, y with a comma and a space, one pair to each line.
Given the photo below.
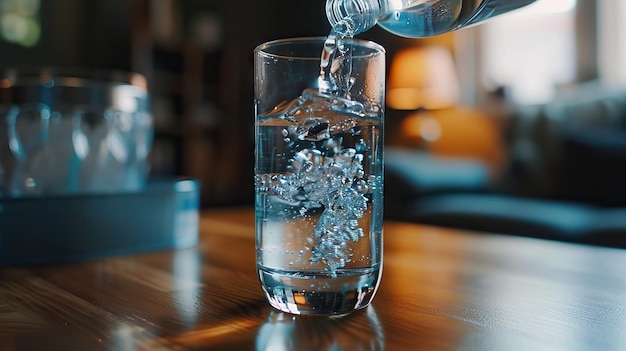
362, 187
337, 65
307, 166
331, 180
349, 152
351, 82
361, 146
330, 44
314, 129
343, 48
300, 158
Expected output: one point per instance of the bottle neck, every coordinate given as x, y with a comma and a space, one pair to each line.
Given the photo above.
354, 16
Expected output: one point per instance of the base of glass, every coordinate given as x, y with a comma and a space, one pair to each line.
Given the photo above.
319, 293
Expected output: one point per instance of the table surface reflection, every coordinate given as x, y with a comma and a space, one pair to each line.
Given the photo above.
441, 289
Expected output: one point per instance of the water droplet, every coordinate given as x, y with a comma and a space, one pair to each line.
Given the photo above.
361, 146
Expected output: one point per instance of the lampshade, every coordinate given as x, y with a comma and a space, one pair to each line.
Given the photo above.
422, 77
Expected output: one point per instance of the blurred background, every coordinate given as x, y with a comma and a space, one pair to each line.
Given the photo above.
527, 107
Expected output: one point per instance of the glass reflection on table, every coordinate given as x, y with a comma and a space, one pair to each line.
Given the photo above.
360, 330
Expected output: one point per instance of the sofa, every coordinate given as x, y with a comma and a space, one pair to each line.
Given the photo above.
564, 177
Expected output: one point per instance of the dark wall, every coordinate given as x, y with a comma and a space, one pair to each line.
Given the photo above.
74, 33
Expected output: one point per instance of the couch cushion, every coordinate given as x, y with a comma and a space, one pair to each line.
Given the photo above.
410, 173
534, 134
592, 166
608, 228
504, 214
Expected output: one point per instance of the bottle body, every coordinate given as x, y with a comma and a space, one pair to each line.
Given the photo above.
417, 18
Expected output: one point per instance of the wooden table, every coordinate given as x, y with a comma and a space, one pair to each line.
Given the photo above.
441, 290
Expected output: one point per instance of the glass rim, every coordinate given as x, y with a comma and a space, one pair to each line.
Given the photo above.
260, 50
63, 77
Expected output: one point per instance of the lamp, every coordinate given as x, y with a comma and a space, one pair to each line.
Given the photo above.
422, 79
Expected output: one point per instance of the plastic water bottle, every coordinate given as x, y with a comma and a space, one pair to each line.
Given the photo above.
415, 18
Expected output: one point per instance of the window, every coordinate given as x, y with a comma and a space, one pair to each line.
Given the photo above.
530, 52
612, 42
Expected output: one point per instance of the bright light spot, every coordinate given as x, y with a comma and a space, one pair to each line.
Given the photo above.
81, 144
14, 27
29, 183
19, 21
125, 99
27, 8
116, 146
430, 129
422, 125
33, 33
538, 11
546, 7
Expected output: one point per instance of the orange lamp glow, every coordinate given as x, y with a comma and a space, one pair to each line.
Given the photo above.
422, 77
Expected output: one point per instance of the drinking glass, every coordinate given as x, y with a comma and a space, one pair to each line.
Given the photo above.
72, 131
319, 174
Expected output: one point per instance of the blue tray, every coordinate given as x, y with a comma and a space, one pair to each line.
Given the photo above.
49, 229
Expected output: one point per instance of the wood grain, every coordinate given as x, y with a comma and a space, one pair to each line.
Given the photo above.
441, 290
